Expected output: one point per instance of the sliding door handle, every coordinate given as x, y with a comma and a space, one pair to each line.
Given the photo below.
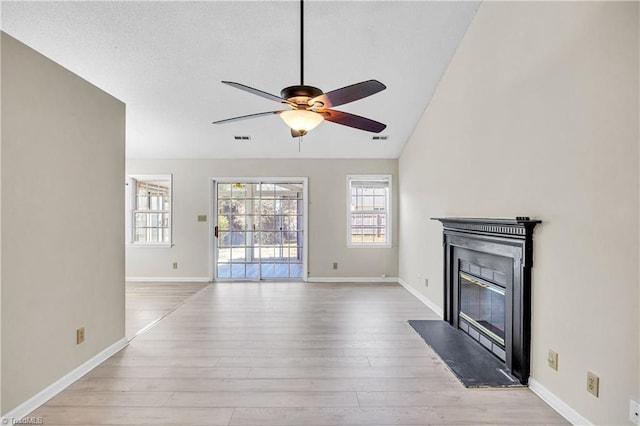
215, 231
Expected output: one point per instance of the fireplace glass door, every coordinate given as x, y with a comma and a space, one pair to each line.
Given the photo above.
482, 305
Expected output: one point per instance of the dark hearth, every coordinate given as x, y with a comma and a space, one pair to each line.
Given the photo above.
487, 272
474, 366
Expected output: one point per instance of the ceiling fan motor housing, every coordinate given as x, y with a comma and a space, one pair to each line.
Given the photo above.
300, 94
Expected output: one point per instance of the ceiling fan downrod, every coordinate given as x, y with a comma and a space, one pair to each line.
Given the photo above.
302, 42
300, 95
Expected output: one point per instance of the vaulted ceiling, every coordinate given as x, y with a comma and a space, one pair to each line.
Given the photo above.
166, 60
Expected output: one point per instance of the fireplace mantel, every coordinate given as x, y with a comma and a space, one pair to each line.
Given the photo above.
493, 241
520, 226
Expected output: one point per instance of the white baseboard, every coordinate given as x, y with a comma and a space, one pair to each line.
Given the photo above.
61, 384
168, 279
421, 297
352, 279
557, 404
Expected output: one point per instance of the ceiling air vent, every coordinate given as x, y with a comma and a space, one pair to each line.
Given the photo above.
380, 138
242, 138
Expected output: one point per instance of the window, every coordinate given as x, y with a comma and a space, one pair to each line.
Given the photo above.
149, 218
369, 215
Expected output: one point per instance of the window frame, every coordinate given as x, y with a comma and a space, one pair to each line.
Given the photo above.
389, 218
131, 199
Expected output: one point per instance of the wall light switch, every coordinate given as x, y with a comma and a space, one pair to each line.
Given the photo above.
202, 218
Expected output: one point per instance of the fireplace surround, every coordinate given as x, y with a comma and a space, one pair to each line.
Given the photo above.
487, 291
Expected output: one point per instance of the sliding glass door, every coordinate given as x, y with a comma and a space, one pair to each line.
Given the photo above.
259, 232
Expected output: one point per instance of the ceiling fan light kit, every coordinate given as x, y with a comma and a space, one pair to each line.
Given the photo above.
310, 106
301, 120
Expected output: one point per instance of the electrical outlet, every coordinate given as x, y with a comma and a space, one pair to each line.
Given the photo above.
423, 280
552, 359
175, 265
593, 384
335, 265
79, 335
634, 412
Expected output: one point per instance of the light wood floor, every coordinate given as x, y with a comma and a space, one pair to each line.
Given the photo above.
287, 354
148, 303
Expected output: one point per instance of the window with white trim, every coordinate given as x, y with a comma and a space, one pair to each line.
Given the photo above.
369, 215
149, 206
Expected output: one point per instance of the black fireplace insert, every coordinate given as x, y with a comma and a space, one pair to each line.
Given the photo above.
482, 312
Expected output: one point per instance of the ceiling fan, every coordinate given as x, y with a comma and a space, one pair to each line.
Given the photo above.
309, 106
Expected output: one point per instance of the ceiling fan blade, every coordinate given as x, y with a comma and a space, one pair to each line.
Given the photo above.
352, 120
348, 94
244, 117
257, 92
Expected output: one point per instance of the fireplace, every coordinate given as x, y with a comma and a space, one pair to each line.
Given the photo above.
487, 295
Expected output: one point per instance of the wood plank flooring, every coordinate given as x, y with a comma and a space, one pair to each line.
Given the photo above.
287, 354
147, 303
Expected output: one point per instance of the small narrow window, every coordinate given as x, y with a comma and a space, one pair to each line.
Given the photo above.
149, 220
369, 215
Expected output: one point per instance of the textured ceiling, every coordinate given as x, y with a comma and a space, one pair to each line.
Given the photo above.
165, 60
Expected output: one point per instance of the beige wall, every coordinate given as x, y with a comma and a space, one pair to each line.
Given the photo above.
62, 203
1, 411
537, 115
327, 216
